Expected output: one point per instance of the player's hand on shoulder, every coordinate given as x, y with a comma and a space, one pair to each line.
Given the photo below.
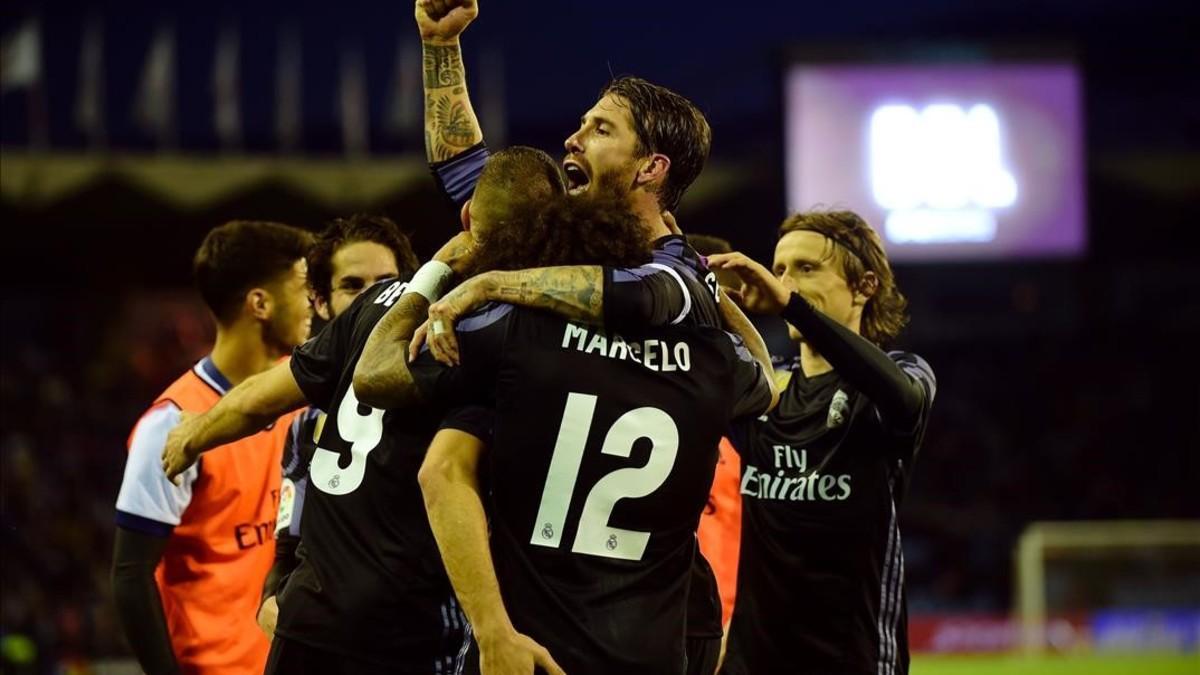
268, 616
445, 313
177, 456
761, 292
512, 653
444, 19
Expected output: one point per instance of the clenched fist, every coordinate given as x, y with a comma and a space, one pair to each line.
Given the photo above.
444, 20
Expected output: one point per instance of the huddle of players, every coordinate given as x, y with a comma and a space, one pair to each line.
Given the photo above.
560, 467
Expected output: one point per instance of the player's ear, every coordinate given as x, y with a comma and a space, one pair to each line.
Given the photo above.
653, 169
465, 215
259, 303
321, 307
867, 286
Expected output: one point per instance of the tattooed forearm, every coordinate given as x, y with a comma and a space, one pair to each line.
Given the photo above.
450, 122
443, 66
455, 126
381, 377
575, 293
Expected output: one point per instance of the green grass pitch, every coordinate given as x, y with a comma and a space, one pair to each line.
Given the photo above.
1148, 664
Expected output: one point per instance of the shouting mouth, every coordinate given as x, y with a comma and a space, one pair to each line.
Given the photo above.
577, 177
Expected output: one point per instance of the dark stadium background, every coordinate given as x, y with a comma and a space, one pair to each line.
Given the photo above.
1067, 388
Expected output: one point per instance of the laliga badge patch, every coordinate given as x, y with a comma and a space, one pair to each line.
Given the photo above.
839, 408
287, 500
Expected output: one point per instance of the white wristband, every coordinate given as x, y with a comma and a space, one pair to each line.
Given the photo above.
430, 280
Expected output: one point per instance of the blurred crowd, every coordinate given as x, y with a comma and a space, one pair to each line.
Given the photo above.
77, 373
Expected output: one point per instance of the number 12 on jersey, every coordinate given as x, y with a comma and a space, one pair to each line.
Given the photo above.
594, 535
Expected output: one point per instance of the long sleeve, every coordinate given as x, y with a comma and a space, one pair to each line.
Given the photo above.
653, 294
674, 288
138, 603
457, 176
285, 563
298, 451
900, 397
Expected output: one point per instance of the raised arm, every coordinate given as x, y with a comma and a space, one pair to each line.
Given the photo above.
899, 396
450, 122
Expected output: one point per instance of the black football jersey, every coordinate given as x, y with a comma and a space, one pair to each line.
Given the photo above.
821, 570
680, 290
601, 462
676, 287
370, 582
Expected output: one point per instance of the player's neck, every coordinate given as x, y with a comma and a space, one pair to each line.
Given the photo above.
240, 352
811, 362
648, 212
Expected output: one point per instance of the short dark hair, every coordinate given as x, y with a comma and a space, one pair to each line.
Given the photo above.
513, 181
241, 255
859, 249
356, 228
667, 123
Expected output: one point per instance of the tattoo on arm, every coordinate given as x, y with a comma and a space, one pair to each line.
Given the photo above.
452, 119
443, 66
575, 293
382, 378
450, 122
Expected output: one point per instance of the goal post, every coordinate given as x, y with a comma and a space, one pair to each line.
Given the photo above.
1083, 548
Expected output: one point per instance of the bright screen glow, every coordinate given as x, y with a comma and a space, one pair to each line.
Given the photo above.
948, 162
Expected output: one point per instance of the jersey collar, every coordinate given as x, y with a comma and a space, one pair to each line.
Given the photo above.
675, 243
676, 246
207, 370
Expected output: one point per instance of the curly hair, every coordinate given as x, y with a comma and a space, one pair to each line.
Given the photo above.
859, 250
596, 228
356, 228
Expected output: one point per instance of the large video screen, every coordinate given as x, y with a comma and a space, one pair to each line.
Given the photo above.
948, 162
